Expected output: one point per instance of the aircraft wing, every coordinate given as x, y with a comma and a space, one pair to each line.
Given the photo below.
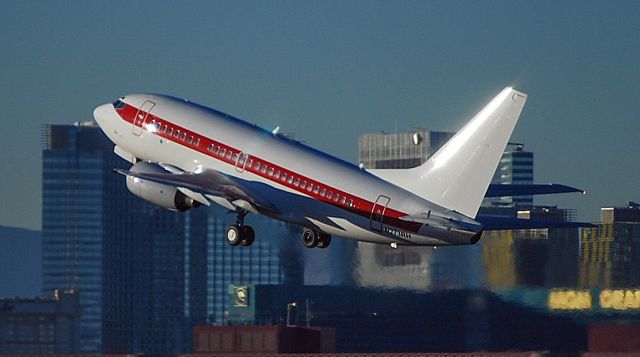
210, 185
498, 190
494, 223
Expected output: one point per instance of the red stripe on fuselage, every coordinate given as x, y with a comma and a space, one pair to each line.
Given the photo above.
358, 205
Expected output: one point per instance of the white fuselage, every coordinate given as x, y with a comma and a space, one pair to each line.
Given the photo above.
306, 187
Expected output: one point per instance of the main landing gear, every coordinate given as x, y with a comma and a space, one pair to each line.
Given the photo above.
314, 239
239, 233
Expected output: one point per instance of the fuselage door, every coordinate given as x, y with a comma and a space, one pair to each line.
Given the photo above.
141, 117
241, 162
377, 213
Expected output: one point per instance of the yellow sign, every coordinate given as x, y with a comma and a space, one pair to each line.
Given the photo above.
569, 300
620, 299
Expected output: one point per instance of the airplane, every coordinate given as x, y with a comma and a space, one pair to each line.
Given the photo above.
186, 155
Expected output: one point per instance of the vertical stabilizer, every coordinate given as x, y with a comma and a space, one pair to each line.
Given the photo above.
457, 176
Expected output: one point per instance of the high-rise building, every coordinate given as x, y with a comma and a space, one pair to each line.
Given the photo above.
78, 207
515, 167
145, 275
399, 150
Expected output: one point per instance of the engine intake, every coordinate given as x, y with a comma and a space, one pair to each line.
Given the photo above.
162, 195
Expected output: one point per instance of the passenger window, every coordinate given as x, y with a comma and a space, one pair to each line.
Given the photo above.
197, 143
157, 125
296, 182
271, 171
229, 153
350, 203
243, 158
222, 152
277, 174
183, 136
343, 200
329, 194
322, 192
217, 150
290, 180
284, 176
310, 187
235, 157
336, 197
257, 167
170, 131
304, 184
316, 189
177, 134
249, 163
264, 168
190, 139
164, 128
210, 148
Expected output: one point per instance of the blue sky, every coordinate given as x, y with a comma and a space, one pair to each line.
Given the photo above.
329, 71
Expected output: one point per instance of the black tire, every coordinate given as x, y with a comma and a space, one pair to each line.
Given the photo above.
323, 241
233, 235
309, 238
247, 235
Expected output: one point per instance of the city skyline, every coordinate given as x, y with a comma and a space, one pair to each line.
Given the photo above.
331, 71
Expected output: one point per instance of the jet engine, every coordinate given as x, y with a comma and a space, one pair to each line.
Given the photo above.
162, 195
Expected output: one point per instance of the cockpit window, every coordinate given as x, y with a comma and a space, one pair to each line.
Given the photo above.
118, 104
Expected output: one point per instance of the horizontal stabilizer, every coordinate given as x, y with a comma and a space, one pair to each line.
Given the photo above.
498, 190
495, 223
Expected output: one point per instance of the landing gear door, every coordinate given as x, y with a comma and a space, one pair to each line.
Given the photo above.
377, 213
141, 117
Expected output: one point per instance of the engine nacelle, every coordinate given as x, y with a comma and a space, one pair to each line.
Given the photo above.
162, 195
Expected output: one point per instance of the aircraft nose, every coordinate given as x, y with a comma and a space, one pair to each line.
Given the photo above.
101, 113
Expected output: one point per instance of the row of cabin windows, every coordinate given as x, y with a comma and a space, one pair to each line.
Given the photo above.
263, 168
170, 132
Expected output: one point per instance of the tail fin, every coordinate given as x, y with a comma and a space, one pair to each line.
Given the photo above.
457, 176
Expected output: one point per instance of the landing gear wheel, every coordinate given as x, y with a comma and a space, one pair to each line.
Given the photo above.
309, 238
323, 240
233, 235
247, 235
